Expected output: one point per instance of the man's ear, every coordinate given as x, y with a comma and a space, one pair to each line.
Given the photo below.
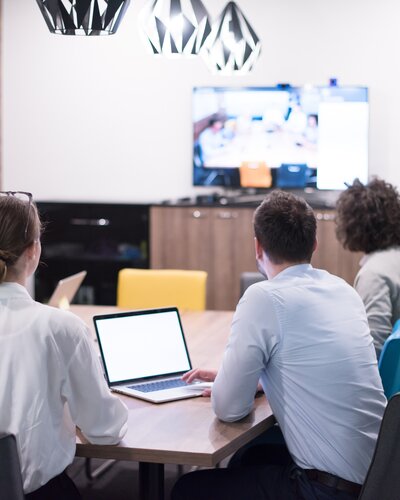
315, 244
258, 248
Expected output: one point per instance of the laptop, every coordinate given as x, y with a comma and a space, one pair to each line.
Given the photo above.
144, 354
65, 290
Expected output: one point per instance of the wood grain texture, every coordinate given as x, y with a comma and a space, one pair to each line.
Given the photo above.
217, 240
220, 240
186, 431
330, 254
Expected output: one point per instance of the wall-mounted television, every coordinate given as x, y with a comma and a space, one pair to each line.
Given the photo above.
286, 137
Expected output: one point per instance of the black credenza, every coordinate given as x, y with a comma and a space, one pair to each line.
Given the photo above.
96, 237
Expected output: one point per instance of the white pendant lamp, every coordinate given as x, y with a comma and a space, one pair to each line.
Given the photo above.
233, 46
174, 27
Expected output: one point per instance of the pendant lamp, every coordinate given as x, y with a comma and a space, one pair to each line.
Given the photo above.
176, 26
83, 17
233, 46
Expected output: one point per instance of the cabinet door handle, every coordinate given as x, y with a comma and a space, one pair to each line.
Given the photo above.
324, 216
89, 222
227, 215
198, 214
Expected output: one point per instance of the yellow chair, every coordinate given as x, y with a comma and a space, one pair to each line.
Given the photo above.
255, 174
151, 288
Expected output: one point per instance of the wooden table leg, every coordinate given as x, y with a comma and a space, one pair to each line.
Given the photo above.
151, 481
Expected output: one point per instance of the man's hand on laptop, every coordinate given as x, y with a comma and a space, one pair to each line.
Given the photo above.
197, 374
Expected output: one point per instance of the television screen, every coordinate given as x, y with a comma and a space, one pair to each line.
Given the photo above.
287, 137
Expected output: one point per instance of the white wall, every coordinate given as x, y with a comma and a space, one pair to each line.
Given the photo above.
100, 118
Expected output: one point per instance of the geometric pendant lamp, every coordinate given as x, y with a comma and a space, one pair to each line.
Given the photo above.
83, 17
233, 47
174, 27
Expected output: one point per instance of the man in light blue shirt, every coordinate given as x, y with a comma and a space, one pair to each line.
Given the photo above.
303, 334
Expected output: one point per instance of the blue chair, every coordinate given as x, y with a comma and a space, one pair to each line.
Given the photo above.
389, 362
291, 175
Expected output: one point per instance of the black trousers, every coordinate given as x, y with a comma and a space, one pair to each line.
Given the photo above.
262, 470
60, 487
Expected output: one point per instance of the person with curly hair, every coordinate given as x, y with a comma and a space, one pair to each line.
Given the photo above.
368, 220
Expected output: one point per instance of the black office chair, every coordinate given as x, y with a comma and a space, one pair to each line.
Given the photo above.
383, 477
10, 470
249, 278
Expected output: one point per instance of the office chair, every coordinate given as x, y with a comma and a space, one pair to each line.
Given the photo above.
291, 175
10, 469
383, 478
389, 362
255, 174
249, 278
151, 288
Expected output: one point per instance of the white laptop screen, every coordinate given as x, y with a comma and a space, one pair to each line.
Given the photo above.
147, 344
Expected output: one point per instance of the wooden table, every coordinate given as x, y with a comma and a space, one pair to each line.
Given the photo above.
180, 432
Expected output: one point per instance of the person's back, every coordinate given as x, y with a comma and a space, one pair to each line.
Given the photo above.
303, 334
321, 368
52, 380
368, 220
378, 284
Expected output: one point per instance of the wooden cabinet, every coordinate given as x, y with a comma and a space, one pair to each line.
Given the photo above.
220, 240
330, 254
217, 240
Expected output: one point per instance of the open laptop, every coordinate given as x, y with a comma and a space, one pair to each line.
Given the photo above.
144, 354
65, 290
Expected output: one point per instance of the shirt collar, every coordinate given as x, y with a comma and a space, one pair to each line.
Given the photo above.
13, 290
365, 258
295, 270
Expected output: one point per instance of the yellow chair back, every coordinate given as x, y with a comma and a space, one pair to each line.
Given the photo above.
255, 174
151, 288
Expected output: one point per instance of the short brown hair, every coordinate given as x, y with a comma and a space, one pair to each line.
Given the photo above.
368, 216
15, 216
285, 226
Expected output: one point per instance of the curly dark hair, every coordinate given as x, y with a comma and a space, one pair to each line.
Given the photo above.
285, 226
368, 216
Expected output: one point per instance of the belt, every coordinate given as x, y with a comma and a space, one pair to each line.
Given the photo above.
332, 481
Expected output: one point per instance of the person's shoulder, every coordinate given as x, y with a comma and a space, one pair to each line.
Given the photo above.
382, 265
330, 283
382, 260
258, 291
61, 322
262, 295
324, 275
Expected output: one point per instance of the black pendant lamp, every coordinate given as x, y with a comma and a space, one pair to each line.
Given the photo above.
233, 46
83, 17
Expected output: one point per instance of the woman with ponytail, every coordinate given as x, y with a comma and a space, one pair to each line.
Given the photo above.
51, 380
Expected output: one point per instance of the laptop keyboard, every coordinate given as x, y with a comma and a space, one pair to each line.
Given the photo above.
159, 386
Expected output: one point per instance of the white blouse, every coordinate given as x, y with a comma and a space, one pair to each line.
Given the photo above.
51, 381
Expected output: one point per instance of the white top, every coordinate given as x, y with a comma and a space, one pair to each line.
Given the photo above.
51, 380
305, 335
378, 283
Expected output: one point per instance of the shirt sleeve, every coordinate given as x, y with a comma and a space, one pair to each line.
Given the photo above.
101, 416
375, 293
254, 336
